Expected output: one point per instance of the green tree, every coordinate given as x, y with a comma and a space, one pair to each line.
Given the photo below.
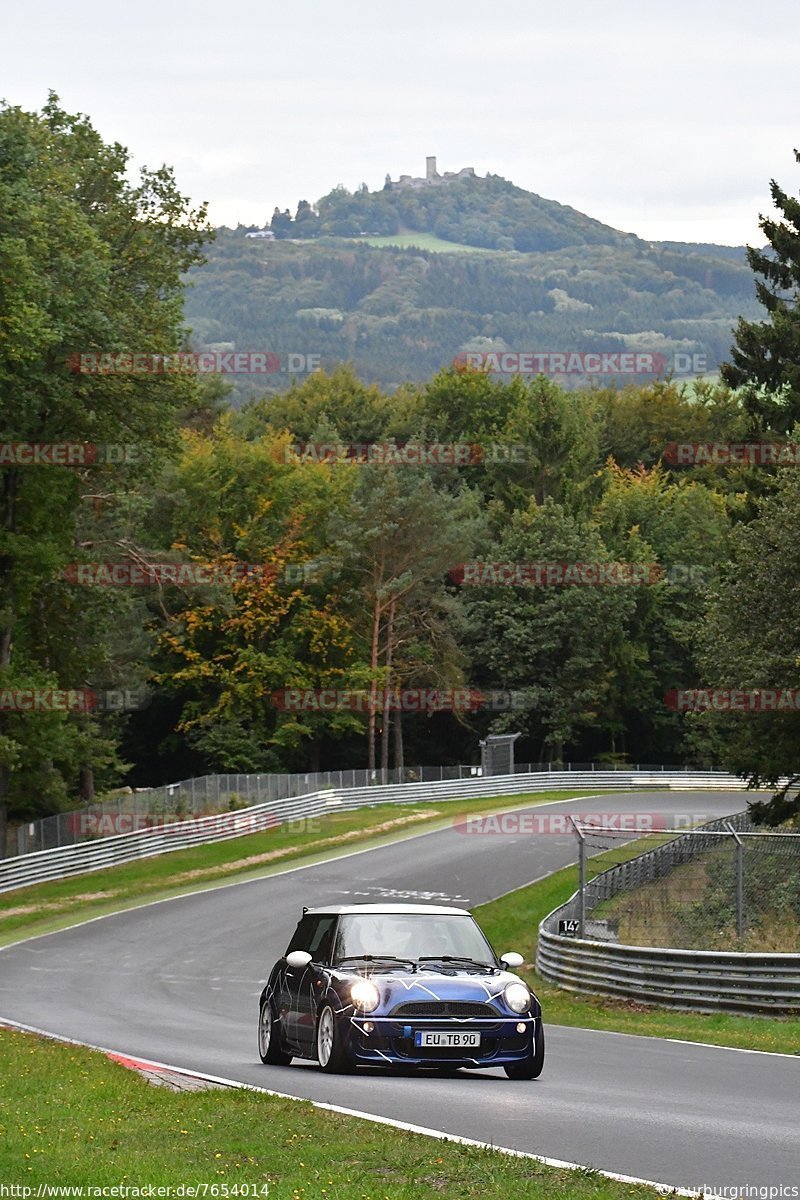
765, 358
281, 223
639, 423
397, 540
555, 645
680, 527
88, 262
558, 435
306, 222
750, 640
330, 406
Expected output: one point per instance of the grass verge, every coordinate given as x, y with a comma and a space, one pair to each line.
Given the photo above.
512, 923
68, 1116
45, 907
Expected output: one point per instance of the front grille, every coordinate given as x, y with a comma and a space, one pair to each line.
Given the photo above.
444, 1008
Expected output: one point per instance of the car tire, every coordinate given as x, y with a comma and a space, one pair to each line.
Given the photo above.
269, 1045
530, 1067
334, 1054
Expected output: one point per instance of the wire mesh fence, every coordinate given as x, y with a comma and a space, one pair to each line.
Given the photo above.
728, 885
130, 811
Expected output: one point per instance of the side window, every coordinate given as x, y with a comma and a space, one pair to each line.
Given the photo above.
322, 939
302, 935
315, 935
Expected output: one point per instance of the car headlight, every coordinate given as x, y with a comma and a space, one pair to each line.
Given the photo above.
365, 995
518, 998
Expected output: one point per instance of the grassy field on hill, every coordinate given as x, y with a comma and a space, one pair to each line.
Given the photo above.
423, 241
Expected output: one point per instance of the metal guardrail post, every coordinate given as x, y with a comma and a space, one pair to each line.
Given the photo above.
739, 881
581, 878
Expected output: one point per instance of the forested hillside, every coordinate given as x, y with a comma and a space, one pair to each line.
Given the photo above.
401, 314
490, 212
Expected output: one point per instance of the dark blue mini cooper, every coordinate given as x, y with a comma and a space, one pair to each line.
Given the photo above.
414, 985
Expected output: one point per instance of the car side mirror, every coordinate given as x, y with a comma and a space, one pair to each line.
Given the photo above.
511, 959
301, 958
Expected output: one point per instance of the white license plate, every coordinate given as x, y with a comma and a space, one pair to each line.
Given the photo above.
433, 1037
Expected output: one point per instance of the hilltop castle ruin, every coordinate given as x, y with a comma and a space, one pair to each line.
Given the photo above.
432, 178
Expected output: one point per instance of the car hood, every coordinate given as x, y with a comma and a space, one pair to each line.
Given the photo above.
427, 985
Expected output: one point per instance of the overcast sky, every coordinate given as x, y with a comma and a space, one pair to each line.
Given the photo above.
665, 119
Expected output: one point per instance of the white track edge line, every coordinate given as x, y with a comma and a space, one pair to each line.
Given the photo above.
663, 1189
680, 1041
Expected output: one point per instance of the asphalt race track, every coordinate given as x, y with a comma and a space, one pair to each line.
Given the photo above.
178, 982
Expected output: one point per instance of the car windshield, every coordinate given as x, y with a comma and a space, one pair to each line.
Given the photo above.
411, 936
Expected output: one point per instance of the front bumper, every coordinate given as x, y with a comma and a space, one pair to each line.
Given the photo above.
377, 1039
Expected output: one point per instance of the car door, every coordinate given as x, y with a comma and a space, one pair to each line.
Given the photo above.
311, 986
290, 979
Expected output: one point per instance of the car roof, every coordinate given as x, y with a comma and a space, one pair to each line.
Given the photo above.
387, 909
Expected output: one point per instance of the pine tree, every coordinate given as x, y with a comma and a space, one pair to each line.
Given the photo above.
766, 354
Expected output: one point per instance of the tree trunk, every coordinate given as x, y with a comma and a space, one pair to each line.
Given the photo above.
399, 760
387, 711
373, 662
3, 809
86, 783
10, 483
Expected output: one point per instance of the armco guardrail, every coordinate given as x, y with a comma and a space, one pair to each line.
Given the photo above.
62, 862
698, 979
201, 796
